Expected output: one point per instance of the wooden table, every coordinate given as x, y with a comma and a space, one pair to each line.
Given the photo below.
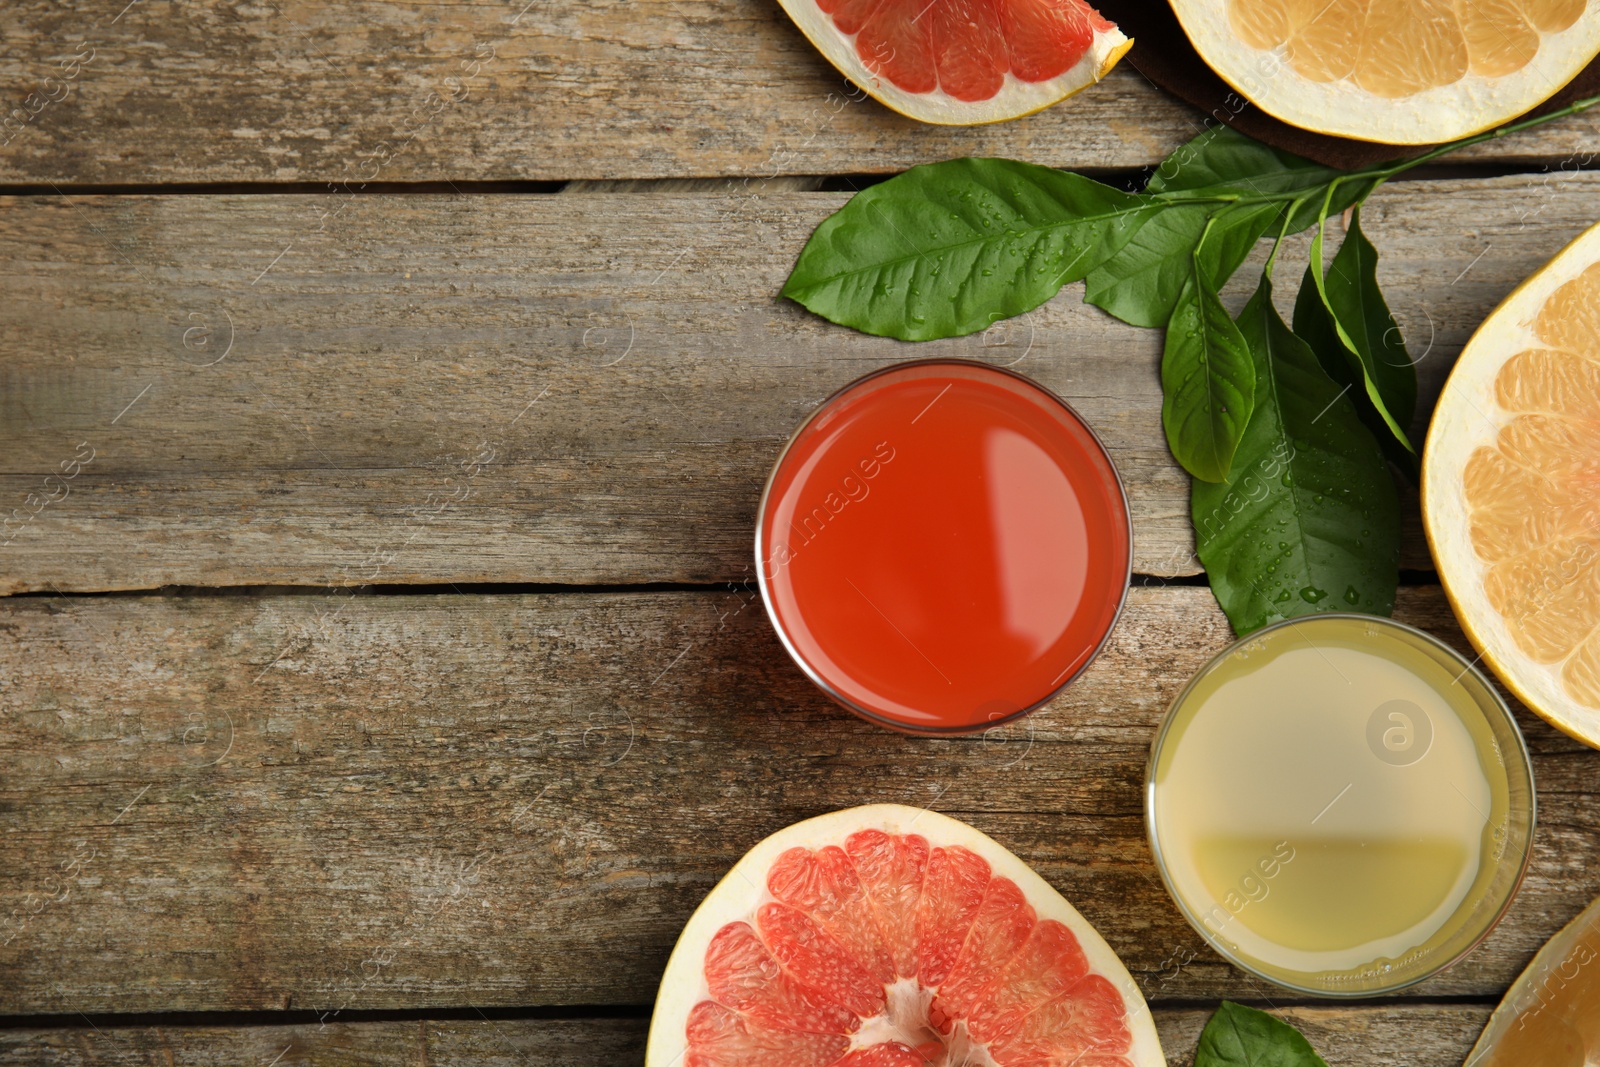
390, 684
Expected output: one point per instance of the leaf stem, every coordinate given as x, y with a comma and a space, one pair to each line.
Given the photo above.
1382, 172
1283, 231
1195, 253
1577, 107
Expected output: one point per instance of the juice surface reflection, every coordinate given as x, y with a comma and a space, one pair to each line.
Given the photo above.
944, 545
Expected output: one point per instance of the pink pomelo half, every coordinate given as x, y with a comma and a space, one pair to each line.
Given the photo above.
963, 62
888, 936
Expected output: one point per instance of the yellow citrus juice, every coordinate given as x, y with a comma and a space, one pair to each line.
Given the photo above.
1341, 804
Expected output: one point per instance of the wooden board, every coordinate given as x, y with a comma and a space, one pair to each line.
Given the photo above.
566, 389
493, 90
474, 1043
1431, 1035
333, 803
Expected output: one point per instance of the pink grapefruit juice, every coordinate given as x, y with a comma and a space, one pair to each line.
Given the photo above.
943, 546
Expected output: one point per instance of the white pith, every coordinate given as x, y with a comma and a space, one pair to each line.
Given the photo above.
1342, 108
743, 890
1015, 98
906, 1021
1468, 417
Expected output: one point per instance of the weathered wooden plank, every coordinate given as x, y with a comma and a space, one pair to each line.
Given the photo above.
1418, 1035
382, 90
316, 802
474, 1043
1415, 1035
564, 389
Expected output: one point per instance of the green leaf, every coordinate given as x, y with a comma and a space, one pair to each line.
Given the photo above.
1358, 304
1308, 519
947, 249
1238, 1036
1224, 162
1346, 195
1142, 283
1222, 156
1208, 381
1234, 233
1348, 324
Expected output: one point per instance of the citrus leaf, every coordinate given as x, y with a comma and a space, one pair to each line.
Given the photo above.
1347, 323
1234, 233
1314, 324
1237, 1036
1222, 156
1358, 305
1308, 519
1346, 195
1224, 162
947, 249
1207, 381
1141, 283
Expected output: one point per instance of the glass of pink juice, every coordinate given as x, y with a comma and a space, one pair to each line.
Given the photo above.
943, 546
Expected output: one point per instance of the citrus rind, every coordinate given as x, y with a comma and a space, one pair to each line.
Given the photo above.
742, 891
1534, 1019
1015, 99
1467, 417
1342, 108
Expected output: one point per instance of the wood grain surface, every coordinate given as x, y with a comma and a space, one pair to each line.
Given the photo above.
573, 389
281, 786
1417, 1035
107, 91
346, 802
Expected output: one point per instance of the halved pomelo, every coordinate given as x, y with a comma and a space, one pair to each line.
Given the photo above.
1511, 490
963, 62
887, 936
1396, 71
1550, 1016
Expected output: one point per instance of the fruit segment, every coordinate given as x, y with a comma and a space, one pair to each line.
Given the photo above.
1398, 48
1050, 964
722, 1038
1002, 925
1045, 40
744, 976
825, 885
1082, 1021
951, 896
1533, 496
966, 47
891, 953
818, 961
888, 1054
1551, 1014
1570, 319
891, 869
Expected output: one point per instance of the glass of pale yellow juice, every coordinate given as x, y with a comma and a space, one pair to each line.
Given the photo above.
1340, 804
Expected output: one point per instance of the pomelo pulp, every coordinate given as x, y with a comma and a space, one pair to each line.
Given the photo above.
890, 936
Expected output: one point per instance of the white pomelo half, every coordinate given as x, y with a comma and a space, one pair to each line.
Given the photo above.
1551, 1014
1480, 98
1093, 1003
1013, 97
1470, 418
